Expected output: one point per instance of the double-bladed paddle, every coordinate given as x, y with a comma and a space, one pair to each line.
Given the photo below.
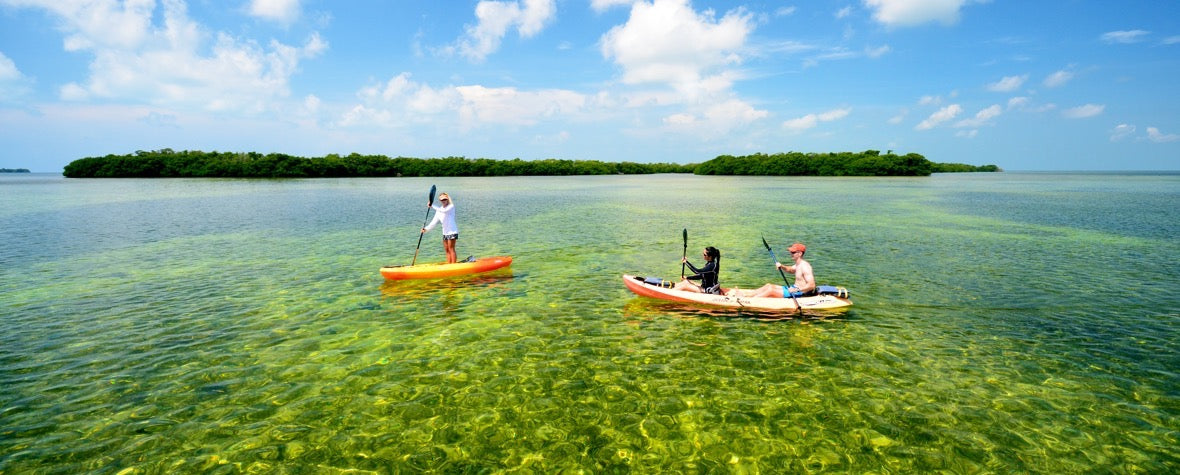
429, 202
780, 272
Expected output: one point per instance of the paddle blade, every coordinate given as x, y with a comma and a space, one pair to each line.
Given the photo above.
685, 238
764, 243
430, 200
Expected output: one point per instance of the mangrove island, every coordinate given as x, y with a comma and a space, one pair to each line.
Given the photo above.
167, 163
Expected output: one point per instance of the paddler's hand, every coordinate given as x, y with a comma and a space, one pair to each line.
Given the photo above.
684, 260
423, 231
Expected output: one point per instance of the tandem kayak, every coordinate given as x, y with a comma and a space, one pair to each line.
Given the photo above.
441, 269
834, 301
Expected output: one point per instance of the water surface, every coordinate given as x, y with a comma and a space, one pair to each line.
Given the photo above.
1010, 322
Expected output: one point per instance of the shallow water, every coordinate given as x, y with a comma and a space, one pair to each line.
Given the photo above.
1010, 322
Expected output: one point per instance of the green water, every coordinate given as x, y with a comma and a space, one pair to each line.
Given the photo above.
1011, 322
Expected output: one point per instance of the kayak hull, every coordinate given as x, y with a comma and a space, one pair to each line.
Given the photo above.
769, 304
440, 269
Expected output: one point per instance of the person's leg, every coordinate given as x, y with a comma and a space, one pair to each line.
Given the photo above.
686, 285
769, 290
449, 246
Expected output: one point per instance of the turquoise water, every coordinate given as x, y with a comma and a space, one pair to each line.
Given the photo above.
1010, 322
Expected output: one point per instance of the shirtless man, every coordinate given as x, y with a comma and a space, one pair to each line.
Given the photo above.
804, 278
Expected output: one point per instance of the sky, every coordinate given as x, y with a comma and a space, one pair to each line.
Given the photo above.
1026, 85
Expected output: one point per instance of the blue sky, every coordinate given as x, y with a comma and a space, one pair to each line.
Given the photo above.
1026, 85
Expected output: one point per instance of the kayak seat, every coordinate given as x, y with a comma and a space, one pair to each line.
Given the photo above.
832, 290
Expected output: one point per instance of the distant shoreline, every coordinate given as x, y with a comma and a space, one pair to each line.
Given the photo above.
167, 163
14, 170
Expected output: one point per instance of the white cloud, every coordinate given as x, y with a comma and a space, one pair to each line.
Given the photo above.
902, 13
1121, 132
653, 46
982, 117
1007, 84
13, 84
1082, 112
495, 18
785, 11
1154, 135
811, 120
942, 115
1171, 40
162, 57
8, 70
281, 11
878, 51
401, 101
1124, 37
601, 5
843, 12
1018, 102
1058, 78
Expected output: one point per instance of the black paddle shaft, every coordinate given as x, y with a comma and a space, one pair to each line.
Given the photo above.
685, 255
429, 202
780, 272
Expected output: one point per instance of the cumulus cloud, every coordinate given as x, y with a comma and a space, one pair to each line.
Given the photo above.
1124, 37
8, 70
155, 54
400, 101
601, 5
13, 84
1084, 111
654, 46
280, 11
811, 120
1018, 102
1127, 131
1058, 78
1154, 135
495, 18
982, 117
903, 13
1007, 84
945, 114
1121, 132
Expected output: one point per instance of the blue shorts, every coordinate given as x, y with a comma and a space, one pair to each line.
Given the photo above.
451, 237
788, 294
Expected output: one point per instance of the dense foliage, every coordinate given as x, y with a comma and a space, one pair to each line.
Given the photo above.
167, 163
867, 163
962, 167
14, 170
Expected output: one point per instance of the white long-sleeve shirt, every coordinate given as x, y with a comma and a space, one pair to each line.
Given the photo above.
446, 216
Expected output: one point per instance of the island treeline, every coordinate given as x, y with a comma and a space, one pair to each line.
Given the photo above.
14, 170
170, 164
167, 163
866, 163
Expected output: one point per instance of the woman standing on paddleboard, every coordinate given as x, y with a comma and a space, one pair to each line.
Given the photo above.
444, 213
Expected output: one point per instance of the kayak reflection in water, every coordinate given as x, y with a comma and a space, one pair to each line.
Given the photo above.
804, 279
709, 275
444, 213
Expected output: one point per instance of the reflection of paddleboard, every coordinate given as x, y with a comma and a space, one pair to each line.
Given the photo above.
440, 269
823, 301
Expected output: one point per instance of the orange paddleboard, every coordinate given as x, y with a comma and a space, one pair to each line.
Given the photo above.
440, 269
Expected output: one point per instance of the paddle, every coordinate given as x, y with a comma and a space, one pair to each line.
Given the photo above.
780, 272
429, 201
685, 255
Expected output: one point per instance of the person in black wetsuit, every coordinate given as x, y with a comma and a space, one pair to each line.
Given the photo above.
709, 275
